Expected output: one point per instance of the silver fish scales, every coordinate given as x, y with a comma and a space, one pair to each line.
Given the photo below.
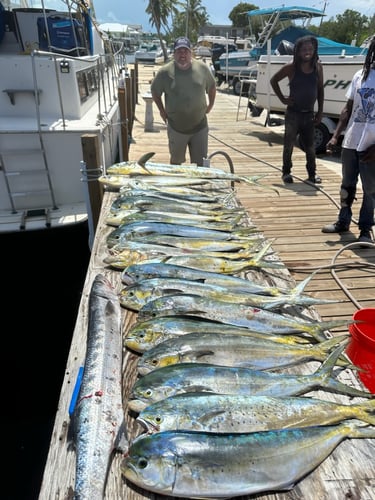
98, 417
211, 465
203, 377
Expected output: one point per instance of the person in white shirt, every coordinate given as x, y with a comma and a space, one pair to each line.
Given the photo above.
358, 150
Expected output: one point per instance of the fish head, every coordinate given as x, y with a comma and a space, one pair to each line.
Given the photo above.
121, 260
151, 361
145, 392
114, 237
141, 338
151, 464
135, 296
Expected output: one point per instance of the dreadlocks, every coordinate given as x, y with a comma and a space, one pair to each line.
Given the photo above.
297, 46
369, 61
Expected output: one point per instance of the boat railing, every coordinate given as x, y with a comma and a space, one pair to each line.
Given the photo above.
99, 75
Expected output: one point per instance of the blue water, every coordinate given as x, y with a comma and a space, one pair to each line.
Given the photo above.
40, 301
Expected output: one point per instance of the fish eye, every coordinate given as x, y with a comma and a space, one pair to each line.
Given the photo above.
142, 463
154, 362
148, 393
158, 419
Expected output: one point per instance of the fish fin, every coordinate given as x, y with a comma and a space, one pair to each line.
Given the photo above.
207, 417
202, 353
144, 158
326, 371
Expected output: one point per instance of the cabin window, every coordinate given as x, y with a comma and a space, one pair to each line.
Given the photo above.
88, 83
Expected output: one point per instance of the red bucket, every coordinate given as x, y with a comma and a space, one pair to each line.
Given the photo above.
361, 349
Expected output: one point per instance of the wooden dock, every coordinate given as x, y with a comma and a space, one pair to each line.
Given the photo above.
292, 220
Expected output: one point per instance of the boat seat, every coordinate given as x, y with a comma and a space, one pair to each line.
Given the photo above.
12, 93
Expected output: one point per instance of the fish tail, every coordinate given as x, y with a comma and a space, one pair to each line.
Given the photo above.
327, 345
325, 373
254, 180
318, 328
366, 411
298, 290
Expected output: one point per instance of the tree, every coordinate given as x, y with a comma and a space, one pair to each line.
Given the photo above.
190, 19
160, 11
345, 28
238, 15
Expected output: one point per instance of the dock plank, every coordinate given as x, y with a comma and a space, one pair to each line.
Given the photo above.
292, 220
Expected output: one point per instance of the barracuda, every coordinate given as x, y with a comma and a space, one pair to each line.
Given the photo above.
98, 419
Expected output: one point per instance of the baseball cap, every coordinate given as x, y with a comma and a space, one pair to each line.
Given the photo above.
181, 42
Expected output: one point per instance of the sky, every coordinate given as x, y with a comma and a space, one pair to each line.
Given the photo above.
133, 11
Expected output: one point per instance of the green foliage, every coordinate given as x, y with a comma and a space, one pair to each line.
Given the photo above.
186, 17
238, 14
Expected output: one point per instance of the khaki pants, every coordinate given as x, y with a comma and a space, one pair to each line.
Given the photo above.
197, 144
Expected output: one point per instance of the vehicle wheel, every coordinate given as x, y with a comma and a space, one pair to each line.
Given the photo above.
237, 87
321, 138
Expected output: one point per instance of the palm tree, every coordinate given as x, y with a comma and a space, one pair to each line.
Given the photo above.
160, 11
196, 16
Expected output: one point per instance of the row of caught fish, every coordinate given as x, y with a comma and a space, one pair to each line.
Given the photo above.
208, 340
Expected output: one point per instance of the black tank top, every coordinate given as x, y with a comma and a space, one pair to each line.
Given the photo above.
303, 90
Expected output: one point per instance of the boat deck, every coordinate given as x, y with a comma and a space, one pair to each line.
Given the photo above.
292, 220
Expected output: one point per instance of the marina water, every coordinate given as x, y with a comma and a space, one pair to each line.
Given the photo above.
42, 282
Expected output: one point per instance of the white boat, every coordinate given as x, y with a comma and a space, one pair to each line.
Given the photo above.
148, 52
59, 82
280, 28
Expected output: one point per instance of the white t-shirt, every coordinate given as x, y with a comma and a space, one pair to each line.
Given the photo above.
360, 131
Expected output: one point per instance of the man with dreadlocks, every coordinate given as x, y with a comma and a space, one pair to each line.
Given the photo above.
305, 75
358, 150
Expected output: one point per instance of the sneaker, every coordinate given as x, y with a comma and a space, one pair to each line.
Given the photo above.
336, 227
365, 236
287, 179
314, 180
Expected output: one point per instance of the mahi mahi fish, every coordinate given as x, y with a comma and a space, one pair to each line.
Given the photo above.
98, 418
243, 315
212, 465
136, 296
234, 350
204, 377
135, 168
144, 335
237, 413
139, 272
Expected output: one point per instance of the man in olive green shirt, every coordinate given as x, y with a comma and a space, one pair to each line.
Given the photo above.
185, 82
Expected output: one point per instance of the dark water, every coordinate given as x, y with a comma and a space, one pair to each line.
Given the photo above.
40, 300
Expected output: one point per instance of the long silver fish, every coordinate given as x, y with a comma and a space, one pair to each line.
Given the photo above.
256, 319
136, 296
211, 465
115, 182
98, 418
235, 350
237, 413
144, 335
203, 377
